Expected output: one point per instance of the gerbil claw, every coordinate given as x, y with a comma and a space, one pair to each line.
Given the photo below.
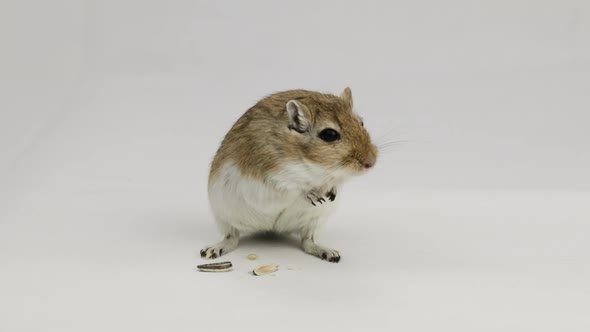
211, 252
330, 256
331, 195
313, 198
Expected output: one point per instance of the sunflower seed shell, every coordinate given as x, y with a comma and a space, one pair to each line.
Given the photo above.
265, 269
215, 267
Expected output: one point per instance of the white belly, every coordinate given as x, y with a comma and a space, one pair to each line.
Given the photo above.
250, 205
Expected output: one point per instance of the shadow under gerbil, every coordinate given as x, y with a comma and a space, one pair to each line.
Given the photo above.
269, 240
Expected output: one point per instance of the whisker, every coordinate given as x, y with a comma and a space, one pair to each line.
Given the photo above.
384, 135
386, 153
392, 143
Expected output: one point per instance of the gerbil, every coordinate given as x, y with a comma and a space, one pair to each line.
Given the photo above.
281, 165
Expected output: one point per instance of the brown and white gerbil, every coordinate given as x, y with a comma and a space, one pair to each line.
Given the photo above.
281, 165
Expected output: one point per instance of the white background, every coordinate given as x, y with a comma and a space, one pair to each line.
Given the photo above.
477, 220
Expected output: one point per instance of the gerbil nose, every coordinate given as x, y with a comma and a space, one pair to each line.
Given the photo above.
371, 159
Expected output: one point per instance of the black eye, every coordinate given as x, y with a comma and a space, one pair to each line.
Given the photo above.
329, 135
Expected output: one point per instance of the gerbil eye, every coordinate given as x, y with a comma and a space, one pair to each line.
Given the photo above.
329, 135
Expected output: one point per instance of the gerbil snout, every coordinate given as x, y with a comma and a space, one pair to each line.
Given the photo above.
371, 158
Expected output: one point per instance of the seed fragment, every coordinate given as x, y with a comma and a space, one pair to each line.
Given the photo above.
265, 269
215, 267
252, 257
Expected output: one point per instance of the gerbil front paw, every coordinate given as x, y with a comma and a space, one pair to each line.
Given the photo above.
314, 198
211, 252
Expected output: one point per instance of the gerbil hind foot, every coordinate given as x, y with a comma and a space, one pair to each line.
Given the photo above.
229, 243
327, 254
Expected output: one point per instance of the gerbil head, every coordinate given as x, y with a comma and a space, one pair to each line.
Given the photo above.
329, 133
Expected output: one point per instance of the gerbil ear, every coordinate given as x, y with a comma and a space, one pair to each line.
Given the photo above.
347, 96
298, 116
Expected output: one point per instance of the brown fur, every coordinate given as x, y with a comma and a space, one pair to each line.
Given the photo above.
261, 139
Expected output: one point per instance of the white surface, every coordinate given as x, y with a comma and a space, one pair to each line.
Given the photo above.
111, 111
